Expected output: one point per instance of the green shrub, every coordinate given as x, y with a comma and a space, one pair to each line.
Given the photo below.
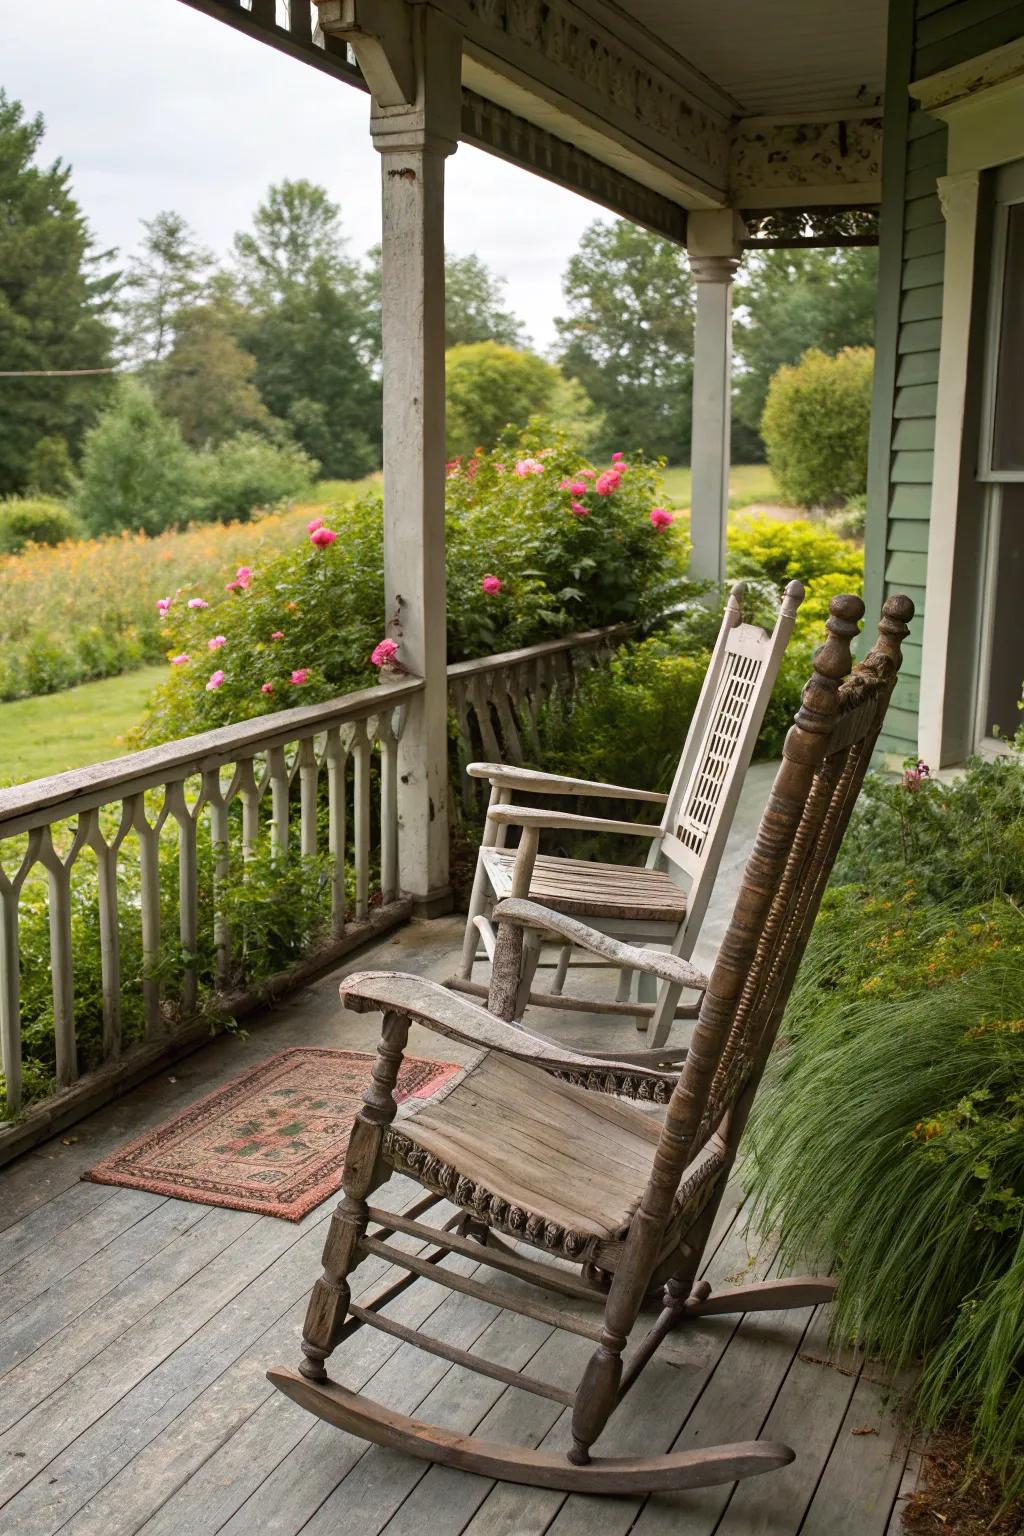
556, 572
815, 426
246, 473
136, 471
488, 388
50, 470
35, 520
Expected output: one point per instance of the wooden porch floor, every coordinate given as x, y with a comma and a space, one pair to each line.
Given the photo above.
135, 1332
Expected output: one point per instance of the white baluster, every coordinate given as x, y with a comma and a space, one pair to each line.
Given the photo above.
388, 808
337, 757
280, 780
361, 754
309, 771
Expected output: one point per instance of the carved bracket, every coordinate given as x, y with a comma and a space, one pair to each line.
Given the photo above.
380, 33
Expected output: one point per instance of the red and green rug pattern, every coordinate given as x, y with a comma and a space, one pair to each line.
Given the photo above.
271, 1141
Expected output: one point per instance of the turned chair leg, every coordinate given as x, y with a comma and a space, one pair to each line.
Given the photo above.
561, 969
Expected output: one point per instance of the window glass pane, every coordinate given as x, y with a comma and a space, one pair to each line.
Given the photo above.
1006, 672
1008, 418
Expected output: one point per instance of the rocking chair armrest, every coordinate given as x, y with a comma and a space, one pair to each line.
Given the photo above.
530, 781
533, 816
651, 962
456, 1016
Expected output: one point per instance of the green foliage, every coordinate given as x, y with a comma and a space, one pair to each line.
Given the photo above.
489, 388
50, 470
136, 471
768, 549
627, 336
34, 520
207, 382
246, 473
53, 302
786, 302
557, 573
474, 305
163, 281
815, 426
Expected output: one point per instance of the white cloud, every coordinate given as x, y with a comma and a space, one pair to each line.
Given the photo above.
157, 106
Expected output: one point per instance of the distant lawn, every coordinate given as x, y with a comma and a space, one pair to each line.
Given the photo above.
748, 483
68, 730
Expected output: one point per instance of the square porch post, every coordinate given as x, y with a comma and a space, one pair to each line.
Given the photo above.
411, 56
713, 244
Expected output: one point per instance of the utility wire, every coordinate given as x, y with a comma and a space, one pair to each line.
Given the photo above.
51, 373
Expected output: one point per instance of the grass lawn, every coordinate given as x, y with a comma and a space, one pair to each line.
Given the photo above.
68, 730
748, 483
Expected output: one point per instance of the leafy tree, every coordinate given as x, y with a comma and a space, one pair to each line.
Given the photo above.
308, 328
50, 469
136, 471
815, 426
786, 302
628, 336
207, 382
161, 285
54, 301
474, 305
489, 388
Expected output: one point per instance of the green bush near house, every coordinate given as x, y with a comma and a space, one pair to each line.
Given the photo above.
35, 520
889, 1131
815, 427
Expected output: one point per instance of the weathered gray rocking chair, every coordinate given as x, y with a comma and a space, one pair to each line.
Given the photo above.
663, 902
527, 1144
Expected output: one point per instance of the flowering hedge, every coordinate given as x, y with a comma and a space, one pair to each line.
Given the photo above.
539, 543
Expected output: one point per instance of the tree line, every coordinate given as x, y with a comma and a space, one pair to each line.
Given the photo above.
280, 340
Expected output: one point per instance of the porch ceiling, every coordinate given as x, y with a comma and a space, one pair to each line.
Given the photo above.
776, 56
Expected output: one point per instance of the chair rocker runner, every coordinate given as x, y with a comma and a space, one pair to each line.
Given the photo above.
544, 1146
663, 903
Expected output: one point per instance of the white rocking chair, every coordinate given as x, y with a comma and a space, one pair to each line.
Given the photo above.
663, 903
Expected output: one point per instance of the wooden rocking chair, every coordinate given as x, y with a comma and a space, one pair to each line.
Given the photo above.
663, 903
541, 1145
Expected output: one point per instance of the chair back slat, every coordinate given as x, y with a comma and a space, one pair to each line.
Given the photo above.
826, 755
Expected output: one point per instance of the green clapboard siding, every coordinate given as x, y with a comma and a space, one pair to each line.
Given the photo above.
921, 211
929, 240
912, 468
911, 501
922, 271
918, 432
908, 534
916, 400
918, 368
919, 336
922, 303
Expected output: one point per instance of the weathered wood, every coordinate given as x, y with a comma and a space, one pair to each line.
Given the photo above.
684, 1469
503, 777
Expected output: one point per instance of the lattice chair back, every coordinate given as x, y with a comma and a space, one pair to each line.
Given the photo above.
719, 746
826, 755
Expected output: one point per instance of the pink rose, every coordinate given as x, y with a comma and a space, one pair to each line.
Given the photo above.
661, 518
216, 643
383, 652
607, 482
243, 576
162, 604
575, 487
278, 634
578, 509
490, 585
233, 586
180, 661
216, 678
314, 524
321, 537
267, 688
587, 474
198, 602
300, 676
526, 467
616, 457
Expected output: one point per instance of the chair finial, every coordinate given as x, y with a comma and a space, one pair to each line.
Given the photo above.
792, 598
832, 663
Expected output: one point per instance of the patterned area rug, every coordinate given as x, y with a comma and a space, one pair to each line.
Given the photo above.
272, 1140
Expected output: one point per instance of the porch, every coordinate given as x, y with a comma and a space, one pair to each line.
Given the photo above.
138, 1330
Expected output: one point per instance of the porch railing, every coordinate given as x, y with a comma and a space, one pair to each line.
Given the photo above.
183, 820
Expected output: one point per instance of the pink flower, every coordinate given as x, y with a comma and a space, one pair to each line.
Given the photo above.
490, 585
661, 518
587, 474
617, 457
321, 537
575, 487
243, 576
526, 467
162, 604
180, 661
383, 652
499, 469
608, 481
267, 688
278, 634
216, 643
234, 586
314, 524
914, 777
198, 602
578, 509
300, 676
216, 678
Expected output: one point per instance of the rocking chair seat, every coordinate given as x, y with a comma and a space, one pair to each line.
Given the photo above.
510, 1135
583, 888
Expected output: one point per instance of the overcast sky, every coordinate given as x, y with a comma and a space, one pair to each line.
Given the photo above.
156, 106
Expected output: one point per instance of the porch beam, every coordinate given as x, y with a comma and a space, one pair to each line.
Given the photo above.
714, 245
829, 161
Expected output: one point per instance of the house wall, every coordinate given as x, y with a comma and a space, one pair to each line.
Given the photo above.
925, 36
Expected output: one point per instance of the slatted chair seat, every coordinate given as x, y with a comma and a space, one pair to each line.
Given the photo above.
592, 890
569, 1160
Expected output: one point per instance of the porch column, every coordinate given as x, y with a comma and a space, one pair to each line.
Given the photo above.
412, 58
713, 243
